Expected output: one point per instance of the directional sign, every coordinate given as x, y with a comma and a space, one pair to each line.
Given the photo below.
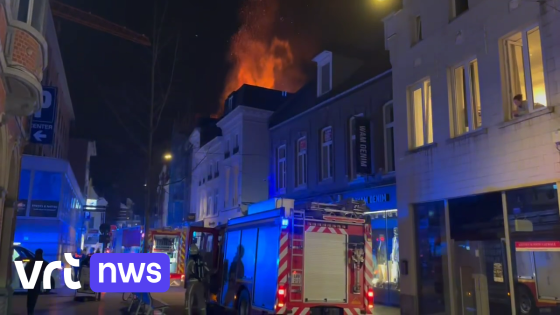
43, 122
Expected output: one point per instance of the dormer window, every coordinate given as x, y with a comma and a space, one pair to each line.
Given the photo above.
324, 72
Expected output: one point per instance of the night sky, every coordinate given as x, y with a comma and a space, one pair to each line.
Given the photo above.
104, 70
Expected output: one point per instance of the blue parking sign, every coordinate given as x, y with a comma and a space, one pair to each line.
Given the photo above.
43, 121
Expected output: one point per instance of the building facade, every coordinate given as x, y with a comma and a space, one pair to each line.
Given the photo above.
230, 170
333, 141
476, 91
179, 179
23, 58
81, 152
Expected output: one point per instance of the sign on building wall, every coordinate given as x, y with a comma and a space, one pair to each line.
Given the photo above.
44, 121
362, 154
43, 208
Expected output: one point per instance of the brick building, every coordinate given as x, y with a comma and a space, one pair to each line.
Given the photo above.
22, 61
476, 88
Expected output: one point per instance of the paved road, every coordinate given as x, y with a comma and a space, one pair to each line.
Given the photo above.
63, 303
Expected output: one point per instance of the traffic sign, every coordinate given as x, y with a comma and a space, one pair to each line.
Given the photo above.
43, 122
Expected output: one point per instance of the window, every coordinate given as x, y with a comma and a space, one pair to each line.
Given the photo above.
418, 35
281, 168
215, 208
217, 172
327, 165
466, 98
421, 114
209, 206
458, 7
235, 185
525, 70
301, 162
388, 121
32, 12
226, 197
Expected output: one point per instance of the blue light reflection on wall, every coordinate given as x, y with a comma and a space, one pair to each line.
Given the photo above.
46, 186
266, 275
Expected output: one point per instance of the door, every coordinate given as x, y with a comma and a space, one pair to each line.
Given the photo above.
207, 241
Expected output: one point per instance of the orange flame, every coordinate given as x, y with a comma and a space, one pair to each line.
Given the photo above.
257, 56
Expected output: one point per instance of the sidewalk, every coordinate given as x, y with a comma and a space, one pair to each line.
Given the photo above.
63, 303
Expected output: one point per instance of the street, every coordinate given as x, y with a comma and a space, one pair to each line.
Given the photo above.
63, 302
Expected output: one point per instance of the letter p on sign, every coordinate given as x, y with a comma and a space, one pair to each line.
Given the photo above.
47, 102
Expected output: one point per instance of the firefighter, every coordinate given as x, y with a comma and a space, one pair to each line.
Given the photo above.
195, 274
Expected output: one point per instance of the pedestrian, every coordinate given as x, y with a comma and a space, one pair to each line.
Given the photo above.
33, 294
78, 255
196, 275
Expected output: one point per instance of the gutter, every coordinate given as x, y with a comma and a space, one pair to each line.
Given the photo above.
333, 98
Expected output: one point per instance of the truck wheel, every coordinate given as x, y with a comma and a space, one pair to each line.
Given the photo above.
244, 303
525, 301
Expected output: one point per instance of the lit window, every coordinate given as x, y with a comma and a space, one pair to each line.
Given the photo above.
466, 98
525, 70
281, 168
301, 163
420, 109
388, 120
327, 165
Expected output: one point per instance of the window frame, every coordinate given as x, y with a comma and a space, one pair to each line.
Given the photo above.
301, 174
424, 85
507, 57
469, 97
32, 20
330, 143
320, 77
418, 29
453, 7
388, 125
281, 168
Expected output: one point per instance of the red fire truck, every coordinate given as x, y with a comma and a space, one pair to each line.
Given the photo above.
281, 259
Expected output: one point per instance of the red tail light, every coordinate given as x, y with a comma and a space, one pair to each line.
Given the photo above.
281, 296
370, 297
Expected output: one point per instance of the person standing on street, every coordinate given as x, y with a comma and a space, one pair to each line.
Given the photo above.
33, 294
78, 255
196, 273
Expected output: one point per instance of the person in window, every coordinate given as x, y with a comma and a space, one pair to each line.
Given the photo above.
33, 294
236, 272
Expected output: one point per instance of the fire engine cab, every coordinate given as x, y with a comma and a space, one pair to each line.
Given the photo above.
313, 258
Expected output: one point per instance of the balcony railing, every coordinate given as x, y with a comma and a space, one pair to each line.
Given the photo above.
235, 150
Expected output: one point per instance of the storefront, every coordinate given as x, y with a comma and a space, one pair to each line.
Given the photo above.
49, 212
382, 205
490, 253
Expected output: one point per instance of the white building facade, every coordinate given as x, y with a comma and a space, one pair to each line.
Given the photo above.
476, 87
231, 157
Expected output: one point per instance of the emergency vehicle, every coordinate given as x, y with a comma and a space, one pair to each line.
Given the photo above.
282, 259
173, 243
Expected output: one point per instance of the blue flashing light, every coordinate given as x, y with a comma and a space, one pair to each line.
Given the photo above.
285, 223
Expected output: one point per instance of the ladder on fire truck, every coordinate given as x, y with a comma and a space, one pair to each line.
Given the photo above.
297, 237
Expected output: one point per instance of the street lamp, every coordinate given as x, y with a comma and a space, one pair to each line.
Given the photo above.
167, 156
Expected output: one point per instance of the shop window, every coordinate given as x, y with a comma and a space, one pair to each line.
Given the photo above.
420, 109
230, 267
433, 280
386, 274
535, 241
301, 162
525, 73
267, 268
466, 98
479, 254
327, 158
